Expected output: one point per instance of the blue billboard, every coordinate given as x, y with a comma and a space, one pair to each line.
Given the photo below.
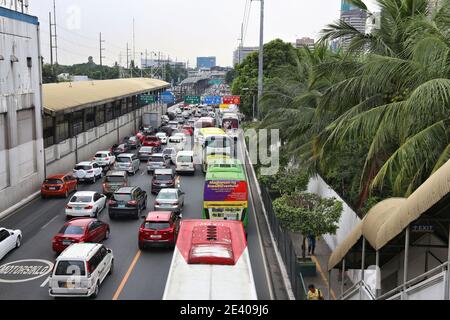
168, 97
210, 100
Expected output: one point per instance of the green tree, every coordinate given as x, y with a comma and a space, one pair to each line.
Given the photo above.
308, 214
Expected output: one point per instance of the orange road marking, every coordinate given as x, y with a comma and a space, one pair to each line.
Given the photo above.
127, 275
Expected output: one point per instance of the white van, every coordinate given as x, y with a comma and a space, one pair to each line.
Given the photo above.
185, 162
176, 142
80, 270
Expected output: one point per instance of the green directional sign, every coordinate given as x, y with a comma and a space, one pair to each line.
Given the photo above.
147, 99
192, 99
215, 82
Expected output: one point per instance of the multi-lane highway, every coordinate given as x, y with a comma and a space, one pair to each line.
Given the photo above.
137, 274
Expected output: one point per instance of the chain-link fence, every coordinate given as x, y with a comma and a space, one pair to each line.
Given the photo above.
286, 248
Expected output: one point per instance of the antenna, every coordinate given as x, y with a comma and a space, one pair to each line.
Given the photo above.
101, 55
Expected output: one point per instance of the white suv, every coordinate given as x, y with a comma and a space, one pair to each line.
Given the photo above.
104, 159
162, 136
185, 162
88, 171
80, 270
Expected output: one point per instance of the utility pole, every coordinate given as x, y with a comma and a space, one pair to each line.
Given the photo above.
101, 55
261, 56
241, 43
134, 45
51, 39
55, 36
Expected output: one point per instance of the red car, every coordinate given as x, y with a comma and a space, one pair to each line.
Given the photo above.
160, 229
140, 136
80, 230
60, 185
187, 130
152, 141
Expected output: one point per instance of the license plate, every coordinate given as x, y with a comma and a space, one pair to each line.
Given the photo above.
163, 185
155, 237
121, 206
66, 243
78, 208
52, 188
165, 205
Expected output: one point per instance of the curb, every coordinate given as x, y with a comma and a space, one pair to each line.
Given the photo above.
19, 205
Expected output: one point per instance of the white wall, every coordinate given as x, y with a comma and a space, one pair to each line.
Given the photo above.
21, 143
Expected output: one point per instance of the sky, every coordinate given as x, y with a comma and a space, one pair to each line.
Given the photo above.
179, 29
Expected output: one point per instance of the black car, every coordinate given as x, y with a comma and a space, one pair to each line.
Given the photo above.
127, 202
134, 142
121, 148
162, 179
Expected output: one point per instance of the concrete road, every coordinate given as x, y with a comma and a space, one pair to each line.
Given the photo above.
137, 275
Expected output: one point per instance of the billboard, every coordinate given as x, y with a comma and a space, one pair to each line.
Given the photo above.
168, 97
225, 190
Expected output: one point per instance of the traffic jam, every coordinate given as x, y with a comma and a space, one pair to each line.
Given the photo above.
193, 138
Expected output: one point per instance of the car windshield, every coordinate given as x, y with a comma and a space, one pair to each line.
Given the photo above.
146, 149
151, 139
87, 167
185, 159
82, 199
157, 225
101, 155
217, 143
123, 159
167, 195
68, 268
122, 196
114, 179
163, 177
156, 159
133, 139
76, 230
169, 151
120, 146
53, 181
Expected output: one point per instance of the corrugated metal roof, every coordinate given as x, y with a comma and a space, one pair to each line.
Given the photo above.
70, 95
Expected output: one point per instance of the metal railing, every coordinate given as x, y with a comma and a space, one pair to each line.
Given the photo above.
403, 288
356, 289
285, 247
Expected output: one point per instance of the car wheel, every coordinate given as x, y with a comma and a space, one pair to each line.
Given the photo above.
96, 213
111, 269
107, 234
94, 179
95, 294
18, 242
141, 246
112, 217
43, 196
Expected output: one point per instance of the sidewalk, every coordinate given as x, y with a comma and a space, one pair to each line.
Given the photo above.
320, 281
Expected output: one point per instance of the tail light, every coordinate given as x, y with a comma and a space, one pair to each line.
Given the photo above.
89, 207
88, 267
104, 185
176, 203
68, 207
110, 202
157, 203
90, 171
132, 202
106, 159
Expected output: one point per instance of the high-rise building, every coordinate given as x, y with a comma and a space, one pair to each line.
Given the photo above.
241, 53
355, 17
305, 41
206, 62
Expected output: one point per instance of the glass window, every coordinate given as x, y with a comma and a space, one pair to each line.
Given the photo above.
53, 181
49, 139
68, 268
122, 197
81, 199
87, 167
156, 225
156, 159
114, 179
109, 114
90, 118
123, 159
3, 235
100, 115
167, 195
185, 159
77, 122
77, 230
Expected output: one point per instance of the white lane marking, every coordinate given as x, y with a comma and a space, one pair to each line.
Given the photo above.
45, 282
48, 223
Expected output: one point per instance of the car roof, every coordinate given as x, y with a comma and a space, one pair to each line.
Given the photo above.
125, 190
80, 222
85, 163
169, 190
158, 216
158, 155
185, 153
79, 251
85, 193
102, 151
160, 133
163, 171
126, 155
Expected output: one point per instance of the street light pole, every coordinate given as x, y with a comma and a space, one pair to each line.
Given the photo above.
261, 54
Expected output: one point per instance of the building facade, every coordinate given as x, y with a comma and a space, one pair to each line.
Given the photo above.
206, 62
354, 17
305, 42
241, 53
22, 165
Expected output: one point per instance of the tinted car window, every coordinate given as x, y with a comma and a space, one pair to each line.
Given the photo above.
88, 167
72, 230
53, 181
156, 159
82, 199
156, 225
185, 159
123, 159
114, 179
146, 149
163, 177
68, 268
3, 235
168, 196
101, 155
122, 197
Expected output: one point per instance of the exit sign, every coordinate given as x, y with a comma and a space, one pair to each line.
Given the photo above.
192, 99
147, 99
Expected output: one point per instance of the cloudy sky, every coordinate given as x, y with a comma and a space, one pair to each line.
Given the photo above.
181, 29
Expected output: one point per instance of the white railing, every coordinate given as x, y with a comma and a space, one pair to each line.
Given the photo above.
359, 291
433, 284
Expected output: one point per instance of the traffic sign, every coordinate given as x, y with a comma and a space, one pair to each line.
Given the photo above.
210, 100
232, 100
147, 99
167, 97
192, 99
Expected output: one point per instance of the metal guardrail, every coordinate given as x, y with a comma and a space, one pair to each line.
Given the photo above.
415, 281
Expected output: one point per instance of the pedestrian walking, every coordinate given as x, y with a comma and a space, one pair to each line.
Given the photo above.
314, 294
311, 244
